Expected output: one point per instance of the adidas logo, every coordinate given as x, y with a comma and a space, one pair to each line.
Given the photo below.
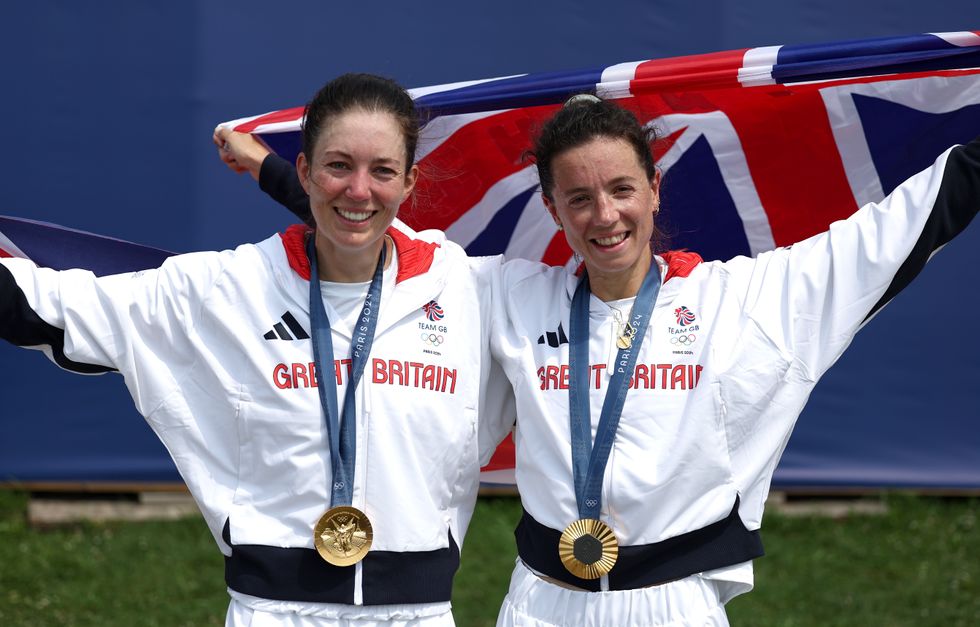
554, 339
279, 331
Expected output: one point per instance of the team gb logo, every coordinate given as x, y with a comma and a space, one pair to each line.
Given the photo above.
433, 311
684, 316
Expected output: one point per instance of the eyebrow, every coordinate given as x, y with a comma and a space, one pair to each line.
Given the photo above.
616, 181
340, 153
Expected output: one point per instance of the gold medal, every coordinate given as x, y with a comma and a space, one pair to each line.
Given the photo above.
343, 535
625, 339
588, 548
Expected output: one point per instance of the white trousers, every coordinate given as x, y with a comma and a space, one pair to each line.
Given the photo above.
248, 611
534, 602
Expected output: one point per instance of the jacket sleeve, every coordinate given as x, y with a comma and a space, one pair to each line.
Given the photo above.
278, 179
811, 298
801, 306
140, 324
498, 411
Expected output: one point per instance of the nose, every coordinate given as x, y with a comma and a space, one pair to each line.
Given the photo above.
359, 185
605, 211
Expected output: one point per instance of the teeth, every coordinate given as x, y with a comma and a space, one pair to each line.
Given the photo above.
356, 216
609, 241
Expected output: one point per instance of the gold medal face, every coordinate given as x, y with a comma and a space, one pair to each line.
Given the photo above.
588, 548
343, 535
625, 338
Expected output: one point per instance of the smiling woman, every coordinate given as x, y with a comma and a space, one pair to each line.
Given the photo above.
600, 185
357, 166
336, 456
606, 203
646, 445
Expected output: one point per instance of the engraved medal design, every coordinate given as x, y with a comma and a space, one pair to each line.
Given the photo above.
625, 338
588, 548
343, 535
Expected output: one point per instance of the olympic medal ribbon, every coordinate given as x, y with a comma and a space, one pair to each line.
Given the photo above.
342, 432
588, 548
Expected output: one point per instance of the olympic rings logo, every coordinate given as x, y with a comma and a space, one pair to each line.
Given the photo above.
684, 340
432, 339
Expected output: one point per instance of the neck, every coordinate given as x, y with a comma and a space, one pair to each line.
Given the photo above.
619, 285
345, 267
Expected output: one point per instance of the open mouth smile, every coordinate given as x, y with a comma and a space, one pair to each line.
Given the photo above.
354, 216
610, 241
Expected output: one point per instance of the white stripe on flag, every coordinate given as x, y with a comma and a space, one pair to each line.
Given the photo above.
534, 229
757, 66
959, 38
472, 223
440, 129
10, 248
615, 80
418, 92
717, 129
932, 94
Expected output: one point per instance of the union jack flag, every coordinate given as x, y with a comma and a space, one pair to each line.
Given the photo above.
60, 248
759, 147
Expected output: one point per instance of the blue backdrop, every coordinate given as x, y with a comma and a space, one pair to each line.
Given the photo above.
108, 111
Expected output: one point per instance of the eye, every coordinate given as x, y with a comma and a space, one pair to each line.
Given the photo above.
385, 172
578, 200
337, 165
623, 190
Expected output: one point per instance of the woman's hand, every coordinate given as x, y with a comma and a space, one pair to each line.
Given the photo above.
242, 152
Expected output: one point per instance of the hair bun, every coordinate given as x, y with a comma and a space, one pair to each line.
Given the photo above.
581, 98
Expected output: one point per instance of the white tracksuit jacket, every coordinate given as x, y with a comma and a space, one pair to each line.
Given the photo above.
731, 354
215, 350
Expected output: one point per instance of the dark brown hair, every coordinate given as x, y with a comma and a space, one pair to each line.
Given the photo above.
582, 119
366, 92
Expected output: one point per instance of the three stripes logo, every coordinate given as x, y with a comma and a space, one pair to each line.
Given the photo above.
554, 339
281, 330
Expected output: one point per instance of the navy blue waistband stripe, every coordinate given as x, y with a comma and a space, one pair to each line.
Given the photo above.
720, 544
300, 574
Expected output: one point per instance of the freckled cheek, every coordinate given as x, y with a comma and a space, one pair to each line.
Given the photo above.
390, 199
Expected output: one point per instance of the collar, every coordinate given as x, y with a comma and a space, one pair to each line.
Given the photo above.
414, 256
680, 263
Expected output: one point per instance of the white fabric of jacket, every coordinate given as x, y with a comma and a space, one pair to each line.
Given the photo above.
240, 414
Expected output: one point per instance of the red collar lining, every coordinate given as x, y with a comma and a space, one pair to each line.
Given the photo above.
414, 256
680, 263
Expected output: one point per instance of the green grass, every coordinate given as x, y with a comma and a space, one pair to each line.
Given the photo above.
917, 565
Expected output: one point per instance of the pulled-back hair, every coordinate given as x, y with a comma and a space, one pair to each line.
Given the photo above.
582, 119
365, 92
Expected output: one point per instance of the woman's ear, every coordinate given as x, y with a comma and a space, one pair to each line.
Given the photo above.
303, 171
655, 188
411, 178
550, 206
